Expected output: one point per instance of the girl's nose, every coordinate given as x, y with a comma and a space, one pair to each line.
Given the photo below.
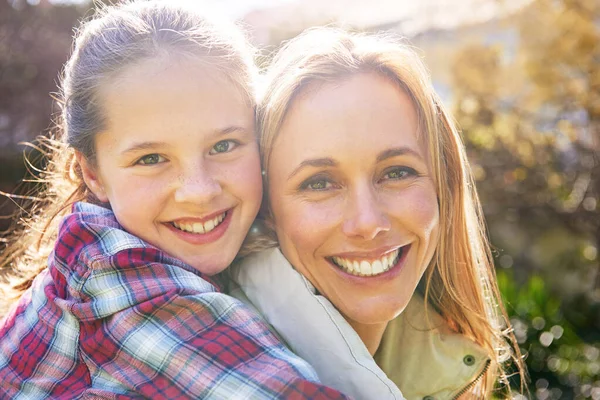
198, 186
364, 215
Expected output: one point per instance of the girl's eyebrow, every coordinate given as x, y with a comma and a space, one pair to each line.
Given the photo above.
148, 145
143, 146
314, 162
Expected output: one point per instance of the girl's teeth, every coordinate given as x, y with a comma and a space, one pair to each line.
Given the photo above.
368, 268
199, 227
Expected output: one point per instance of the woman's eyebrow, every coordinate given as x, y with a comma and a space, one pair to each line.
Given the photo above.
397, 151
230, 129
314, 162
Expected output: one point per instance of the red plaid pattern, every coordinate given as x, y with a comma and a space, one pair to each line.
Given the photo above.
113, 317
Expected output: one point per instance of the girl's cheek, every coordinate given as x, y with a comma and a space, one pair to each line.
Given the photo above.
250, 173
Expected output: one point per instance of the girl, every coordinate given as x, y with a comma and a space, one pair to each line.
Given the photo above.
159, 166
382, 248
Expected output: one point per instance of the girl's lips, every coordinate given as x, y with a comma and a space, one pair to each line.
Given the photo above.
203, 219
203, 238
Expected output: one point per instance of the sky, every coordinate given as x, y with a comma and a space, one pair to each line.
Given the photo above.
416, 15
233, 8
237, 8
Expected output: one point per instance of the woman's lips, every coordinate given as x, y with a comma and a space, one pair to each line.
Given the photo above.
369, 266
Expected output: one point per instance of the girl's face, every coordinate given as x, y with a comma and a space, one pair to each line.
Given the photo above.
352, 196
178, 161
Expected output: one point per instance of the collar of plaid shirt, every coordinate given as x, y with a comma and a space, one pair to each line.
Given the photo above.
112, 316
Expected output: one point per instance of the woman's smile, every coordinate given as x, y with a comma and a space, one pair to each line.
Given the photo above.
352, 197
369, 265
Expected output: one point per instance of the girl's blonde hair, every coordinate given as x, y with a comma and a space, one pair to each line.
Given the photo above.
460, 281
114, 38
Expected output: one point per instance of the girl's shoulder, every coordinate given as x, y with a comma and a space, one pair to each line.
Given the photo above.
90, 223
93, 231
90, 239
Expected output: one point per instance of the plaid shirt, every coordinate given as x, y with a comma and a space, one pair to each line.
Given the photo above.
113, 317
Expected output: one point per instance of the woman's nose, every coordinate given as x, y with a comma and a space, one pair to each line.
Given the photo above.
197, 186
364, 215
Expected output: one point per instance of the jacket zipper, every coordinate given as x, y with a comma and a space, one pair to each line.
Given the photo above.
474, 381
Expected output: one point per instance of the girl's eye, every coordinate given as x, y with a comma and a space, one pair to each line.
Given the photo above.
397, 173
223, 146
316, 184
151, 159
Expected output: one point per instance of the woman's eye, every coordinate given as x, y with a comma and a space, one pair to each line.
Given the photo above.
316, 184
397, 173
223, 146
151, 159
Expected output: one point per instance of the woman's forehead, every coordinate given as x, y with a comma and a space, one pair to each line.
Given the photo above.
362, 115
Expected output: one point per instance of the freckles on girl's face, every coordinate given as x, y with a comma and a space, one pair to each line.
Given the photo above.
178, 161
352, 195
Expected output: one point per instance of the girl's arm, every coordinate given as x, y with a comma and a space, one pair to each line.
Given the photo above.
164, 333
150, 325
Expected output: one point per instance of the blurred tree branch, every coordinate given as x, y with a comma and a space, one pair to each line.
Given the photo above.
531, 122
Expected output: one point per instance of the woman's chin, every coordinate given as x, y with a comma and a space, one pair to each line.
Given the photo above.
375, 315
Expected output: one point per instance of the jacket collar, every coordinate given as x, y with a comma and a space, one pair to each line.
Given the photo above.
425, 358
418, 354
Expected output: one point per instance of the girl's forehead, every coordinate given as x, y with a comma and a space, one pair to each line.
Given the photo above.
183, 102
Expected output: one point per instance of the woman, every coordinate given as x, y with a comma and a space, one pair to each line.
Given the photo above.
370, 196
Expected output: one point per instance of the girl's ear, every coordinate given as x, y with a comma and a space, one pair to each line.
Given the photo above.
91, 177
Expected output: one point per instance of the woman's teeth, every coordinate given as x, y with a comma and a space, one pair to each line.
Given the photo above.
369, 267
199, 227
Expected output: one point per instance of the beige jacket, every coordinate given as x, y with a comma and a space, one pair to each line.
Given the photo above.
422, 357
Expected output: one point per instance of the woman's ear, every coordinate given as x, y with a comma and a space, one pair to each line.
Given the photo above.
91, 177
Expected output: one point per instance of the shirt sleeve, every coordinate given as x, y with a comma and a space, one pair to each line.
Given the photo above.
149, 326
162, 332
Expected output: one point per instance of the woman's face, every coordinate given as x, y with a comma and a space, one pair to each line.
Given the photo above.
352, 195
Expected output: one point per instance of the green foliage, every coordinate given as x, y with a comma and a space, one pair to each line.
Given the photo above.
531, 123
561, 364
34, 43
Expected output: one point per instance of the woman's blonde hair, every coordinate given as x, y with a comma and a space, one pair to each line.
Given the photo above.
116, 37
460, 282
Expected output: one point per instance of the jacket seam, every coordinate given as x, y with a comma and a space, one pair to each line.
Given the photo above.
319, 301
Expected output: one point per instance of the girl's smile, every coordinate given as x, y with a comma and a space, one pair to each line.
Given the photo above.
180, 169
202, 231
